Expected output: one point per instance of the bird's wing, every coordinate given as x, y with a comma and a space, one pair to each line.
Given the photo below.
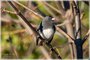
54, 28
40, 27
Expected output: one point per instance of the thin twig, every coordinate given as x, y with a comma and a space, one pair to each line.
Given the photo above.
6, 11
65, 34
28, 9
53, 8
53, 50
64, 23
49, 10
58, 4
86, 36
45, 52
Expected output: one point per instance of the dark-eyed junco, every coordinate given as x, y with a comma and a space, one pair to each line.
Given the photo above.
46, 29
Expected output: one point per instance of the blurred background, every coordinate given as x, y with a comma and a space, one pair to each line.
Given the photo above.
17, 42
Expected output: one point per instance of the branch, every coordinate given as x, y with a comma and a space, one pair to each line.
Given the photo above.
86, 36
53, 50
65, 34
6, 11
49, 10
69, 16
60, 12
21, 15
33, 29
64, 23
28, 9
45, 52
77, 20
78, 40
60, 7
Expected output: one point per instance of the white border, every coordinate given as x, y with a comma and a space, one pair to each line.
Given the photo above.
0, 29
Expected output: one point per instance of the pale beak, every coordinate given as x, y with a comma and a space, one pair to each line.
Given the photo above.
53, 19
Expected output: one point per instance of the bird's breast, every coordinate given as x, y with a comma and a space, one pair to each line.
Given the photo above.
48, 33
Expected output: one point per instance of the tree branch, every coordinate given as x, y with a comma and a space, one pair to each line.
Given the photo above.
60, 12
69, 16
6, 11
28, 9
86, 36
77, 20
21, 15
65, 34
78, 40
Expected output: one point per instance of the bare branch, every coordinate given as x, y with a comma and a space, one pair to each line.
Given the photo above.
6, 11
49, 10
28, 9
77, 20
53, 50
78, 40
86, 36
25, 20
69, 16
59, 5
45, 53
60, 12
65, 34
64, 23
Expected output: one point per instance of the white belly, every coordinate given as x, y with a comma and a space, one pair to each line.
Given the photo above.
48, 33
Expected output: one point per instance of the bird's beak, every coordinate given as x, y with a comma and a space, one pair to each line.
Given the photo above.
53, 20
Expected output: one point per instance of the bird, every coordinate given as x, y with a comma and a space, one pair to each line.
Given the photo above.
46, 29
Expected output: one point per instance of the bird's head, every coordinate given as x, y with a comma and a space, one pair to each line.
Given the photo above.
48, 21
